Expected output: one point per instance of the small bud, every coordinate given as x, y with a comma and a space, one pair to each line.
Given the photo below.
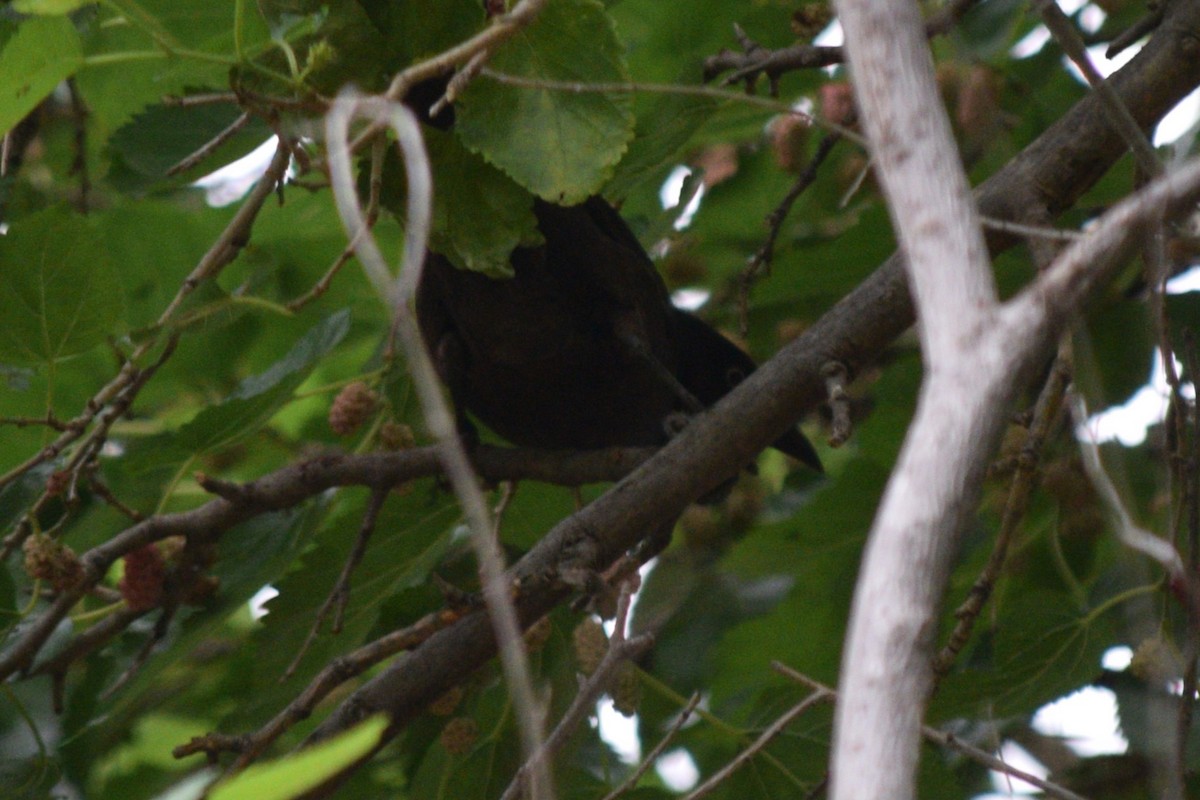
445, 705
789, 139
700, 526
538, 634
790, 329
351, 408
396, 436
591, 643
810, 19
459, 735
626, 692
837, 102
58, 482
719, 163
142, 585
1155, 661
52, 561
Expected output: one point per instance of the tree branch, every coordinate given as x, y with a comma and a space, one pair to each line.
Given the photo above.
977, 357
1051, 173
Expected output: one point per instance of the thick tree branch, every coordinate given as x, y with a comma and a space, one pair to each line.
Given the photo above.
977, 357
886, 675
291, 486
1051, 173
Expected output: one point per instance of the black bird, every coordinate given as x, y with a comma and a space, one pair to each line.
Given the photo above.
582, 348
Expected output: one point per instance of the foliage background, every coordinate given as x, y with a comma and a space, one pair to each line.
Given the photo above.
100, 238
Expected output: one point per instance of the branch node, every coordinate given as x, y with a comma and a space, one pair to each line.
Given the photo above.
836, 375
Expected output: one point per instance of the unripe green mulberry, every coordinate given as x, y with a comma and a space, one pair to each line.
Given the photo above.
591, 643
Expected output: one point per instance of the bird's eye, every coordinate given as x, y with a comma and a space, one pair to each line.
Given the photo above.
734, 376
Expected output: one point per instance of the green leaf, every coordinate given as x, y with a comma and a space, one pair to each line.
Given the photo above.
48, 7
410, 540
157, 139
562, 146
294, 775
1041, 648
44, 52
258, 397
417, 28
663, 128
123, 73
60, 294
479, 214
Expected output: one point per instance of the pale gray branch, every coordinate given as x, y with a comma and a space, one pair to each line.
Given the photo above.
399, 293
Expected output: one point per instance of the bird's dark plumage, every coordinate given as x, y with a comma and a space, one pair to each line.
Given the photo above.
582, 348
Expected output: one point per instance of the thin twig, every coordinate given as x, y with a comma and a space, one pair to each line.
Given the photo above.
50, 421
100, 488
203, 99
1036, 231
337, 672
209, 147
87, 642
1131, 535
681, 719
620, 650
759, 264
223, 251
1045, 416
1068, 38
507, 493
949, 740
836, 375
1137, 30
289, 486
375, 189
757, 60
459, 82
633, 87
79, 164
339, 595
822, 695
1191, 490
502, 28
143, 655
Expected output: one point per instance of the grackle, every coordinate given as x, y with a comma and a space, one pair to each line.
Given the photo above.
582, 348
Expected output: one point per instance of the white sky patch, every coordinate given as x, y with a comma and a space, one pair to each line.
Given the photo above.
1179, 120
690, 299
677, 770
1117, 659
832, 36
1184, 282
231, 182
258, 603
1091, 18
619, 731
1104, 65
1033, 42
1129, 422
1087, 719
671, 192
1006, 785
